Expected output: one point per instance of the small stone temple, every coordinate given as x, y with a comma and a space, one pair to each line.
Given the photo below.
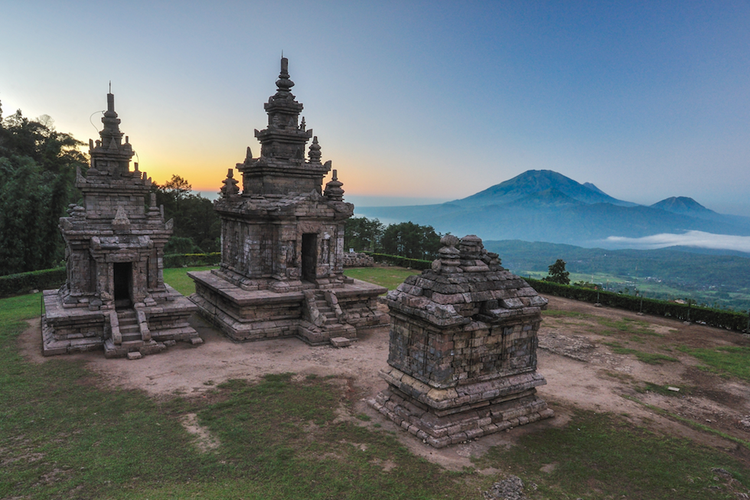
462, 348
115, 297
281, 270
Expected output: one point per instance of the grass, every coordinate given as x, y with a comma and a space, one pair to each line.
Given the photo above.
600, 456
557, 313
626, 325
691, 423
389, 277
62, 436
644, 357
179, 280
663, 390
732, 361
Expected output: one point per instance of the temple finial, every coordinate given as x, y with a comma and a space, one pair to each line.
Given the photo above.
314, 154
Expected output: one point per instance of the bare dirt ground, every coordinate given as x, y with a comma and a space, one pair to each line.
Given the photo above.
581, 371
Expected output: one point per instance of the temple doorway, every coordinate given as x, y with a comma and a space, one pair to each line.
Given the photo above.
123, 277
309, 256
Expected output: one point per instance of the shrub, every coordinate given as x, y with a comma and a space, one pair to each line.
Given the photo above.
192, 259
397, 260
17, 284
686, 312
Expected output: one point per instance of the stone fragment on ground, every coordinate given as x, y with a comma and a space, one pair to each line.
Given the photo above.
507, 489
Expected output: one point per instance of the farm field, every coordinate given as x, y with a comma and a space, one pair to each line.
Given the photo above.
280, 419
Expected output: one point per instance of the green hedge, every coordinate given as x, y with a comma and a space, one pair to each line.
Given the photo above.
397, 260
17, 284
713, 317
192, 259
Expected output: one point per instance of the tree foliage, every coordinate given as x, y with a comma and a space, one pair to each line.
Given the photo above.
410, 240
362, 234
37, 183
197, 227
558, 274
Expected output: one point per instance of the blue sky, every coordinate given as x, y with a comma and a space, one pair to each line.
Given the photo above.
431, 100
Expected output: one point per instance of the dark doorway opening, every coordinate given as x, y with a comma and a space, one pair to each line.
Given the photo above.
309, 256
123, 276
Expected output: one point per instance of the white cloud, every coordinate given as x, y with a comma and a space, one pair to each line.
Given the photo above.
697, 239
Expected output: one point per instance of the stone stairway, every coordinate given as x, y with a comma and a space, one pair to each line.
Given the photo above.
325, 310
127, 337
324, 322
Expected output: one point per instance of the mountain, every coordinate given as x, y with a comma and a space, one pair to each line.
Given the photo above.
685, 206
533, 182
542, 205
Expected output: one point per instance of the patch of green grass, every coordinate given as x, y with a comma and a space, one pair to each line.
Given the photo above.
627, 325
178, 279
733, 361
644, 357
557, 313
691, 423
662, 389
601, 456
389, 277
653, 358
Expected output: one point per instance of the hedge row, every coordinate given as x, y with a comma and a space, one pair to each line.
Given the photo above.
192, 259
713, 317
16, 284
397, 260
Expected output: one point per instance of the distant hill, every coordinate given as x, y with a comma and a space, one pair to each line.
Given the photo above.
713, 277
685, 206
534, 183
542, 205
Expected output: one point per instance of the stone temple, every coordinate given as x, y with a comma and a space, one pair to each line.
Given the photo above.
281, 270
462, 350
115, 297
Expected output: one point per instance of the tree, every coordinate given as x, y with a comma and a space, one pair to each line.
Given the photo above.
411, 240
194, 217
37, 176
558, 274
362, 234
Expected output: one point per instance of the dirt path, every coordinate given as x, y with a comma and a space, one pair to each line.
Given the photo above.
581, 371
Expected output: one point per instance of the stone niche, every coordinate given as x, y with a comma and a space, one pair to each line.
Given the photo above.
115, 297
463, 340
282, 250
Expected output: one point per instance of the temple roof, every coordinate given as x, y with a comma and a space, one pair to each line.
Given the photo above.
465, 284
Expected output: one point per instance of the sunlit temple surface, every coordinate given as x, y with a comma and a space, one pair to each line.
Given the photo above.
282, 244
115, 297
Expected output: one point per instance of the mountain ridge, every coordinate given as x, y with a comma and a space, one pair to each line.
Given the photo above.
543, 205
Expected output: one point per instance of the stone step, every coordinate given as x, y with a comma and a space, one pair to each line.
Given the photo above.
129, 329
131, 337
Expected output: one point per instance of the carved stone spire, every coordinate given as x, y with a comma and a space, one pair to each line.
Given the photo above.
110, 156
333, 188
284, 138
314, 154
230, 188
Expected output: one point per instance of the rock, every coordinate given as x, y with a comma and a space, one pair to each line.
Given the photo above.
507, 489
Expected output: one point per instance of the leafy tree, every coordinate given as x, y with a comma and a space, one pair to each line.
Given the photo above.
37, 176
411, 240
558, 274
194, 217
362, 233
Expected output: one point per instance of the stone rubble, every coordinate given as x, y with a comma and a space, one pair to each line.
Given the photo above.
357, 259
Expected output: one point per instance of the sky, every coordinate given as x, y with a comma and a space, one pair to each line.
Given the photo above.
412, 101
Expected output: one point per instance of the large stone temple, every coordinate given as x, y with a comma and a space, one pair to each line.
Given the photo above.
115, 297
462, 350
282, 249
